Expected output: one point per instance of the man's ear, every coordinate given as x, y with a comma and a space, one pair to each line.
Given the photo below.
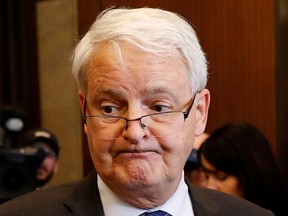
81, 101
202, 105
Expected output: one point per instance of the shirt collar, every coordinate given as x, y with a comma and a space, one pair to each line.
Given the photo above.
178, 204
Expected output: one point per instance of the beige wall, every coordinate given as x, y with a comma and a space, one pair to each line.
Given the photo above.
57, 27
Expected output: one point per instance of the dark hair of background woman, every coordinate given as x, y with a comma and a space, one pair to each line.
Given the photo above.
241, 150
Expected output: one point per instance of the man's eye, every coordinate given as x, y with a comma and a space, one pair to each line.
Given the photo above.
160, 108
109, 110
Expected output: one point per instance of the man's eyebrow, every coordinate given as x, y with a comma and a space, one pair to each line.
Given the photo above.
107, 91
162, 91
148, 91
156, 90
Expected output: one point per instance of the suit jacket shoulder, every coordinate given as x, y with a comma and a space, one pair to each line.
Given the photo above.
211, 203
77, 198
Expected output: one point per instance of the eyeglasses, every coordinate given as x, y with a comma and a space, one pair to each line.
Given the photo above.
158, 124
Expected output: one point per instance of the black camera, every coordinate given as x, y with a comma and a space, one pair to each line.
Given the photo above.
18, 164
18, 171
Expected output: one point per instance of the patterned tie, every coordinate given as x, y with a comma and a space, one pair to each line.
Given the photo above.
156, 213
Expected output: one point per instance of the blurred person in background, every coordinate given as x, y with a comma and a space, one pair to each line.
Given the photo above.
237, 159
193, 171
47, 141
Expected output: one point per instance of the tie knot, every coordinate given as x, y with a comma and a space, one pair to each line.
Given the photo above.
156, 213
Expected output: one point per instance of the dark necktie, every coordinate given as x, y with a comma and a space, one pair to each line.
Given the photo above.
156, 213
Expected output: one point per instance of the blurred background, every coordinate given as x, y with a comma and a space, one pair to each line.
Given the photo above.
245, 42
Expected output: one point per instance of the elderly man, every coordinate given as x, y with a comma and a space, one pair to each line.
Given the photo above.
141, 75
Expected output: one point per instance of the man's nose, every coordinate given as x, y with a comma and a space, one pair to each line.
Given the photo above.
132, 120
134, 129
134, 132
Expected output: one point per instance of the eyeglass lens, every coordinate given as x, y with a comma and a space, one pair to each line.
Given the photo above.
158, 125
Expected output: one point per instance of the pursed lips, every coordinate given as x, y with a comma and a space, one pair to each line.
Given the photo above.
136, 153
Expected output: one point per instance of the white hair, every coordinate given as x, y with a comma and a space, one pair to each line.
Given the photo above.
154, 30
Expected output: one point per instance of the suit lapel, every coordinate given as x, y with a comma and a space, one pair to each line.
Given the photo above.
85, 198
202, 204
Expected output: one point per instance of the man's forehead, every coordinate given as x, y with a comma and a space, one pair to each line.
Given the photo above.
150, 91
143, 73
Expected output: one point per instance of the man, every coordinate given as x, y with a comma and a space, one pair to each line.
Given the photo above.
47, 141
141, 75
192, 169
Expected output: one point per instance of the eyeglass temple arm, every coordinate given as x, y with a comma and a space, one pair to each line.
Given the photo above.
84, 112
186, 113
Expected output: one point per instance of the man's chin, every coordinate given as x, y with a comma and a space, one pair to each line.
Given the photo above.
136, 176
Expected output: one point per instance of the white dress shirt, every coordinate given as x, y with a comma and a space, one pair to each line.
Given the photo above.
179, 204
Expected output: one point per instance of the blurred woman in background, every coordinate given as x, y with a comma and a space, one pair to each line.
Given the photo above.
237, 159
192, 169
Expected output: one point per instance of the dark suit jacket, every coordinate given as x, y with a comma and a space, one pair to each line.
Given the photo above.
82, 198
